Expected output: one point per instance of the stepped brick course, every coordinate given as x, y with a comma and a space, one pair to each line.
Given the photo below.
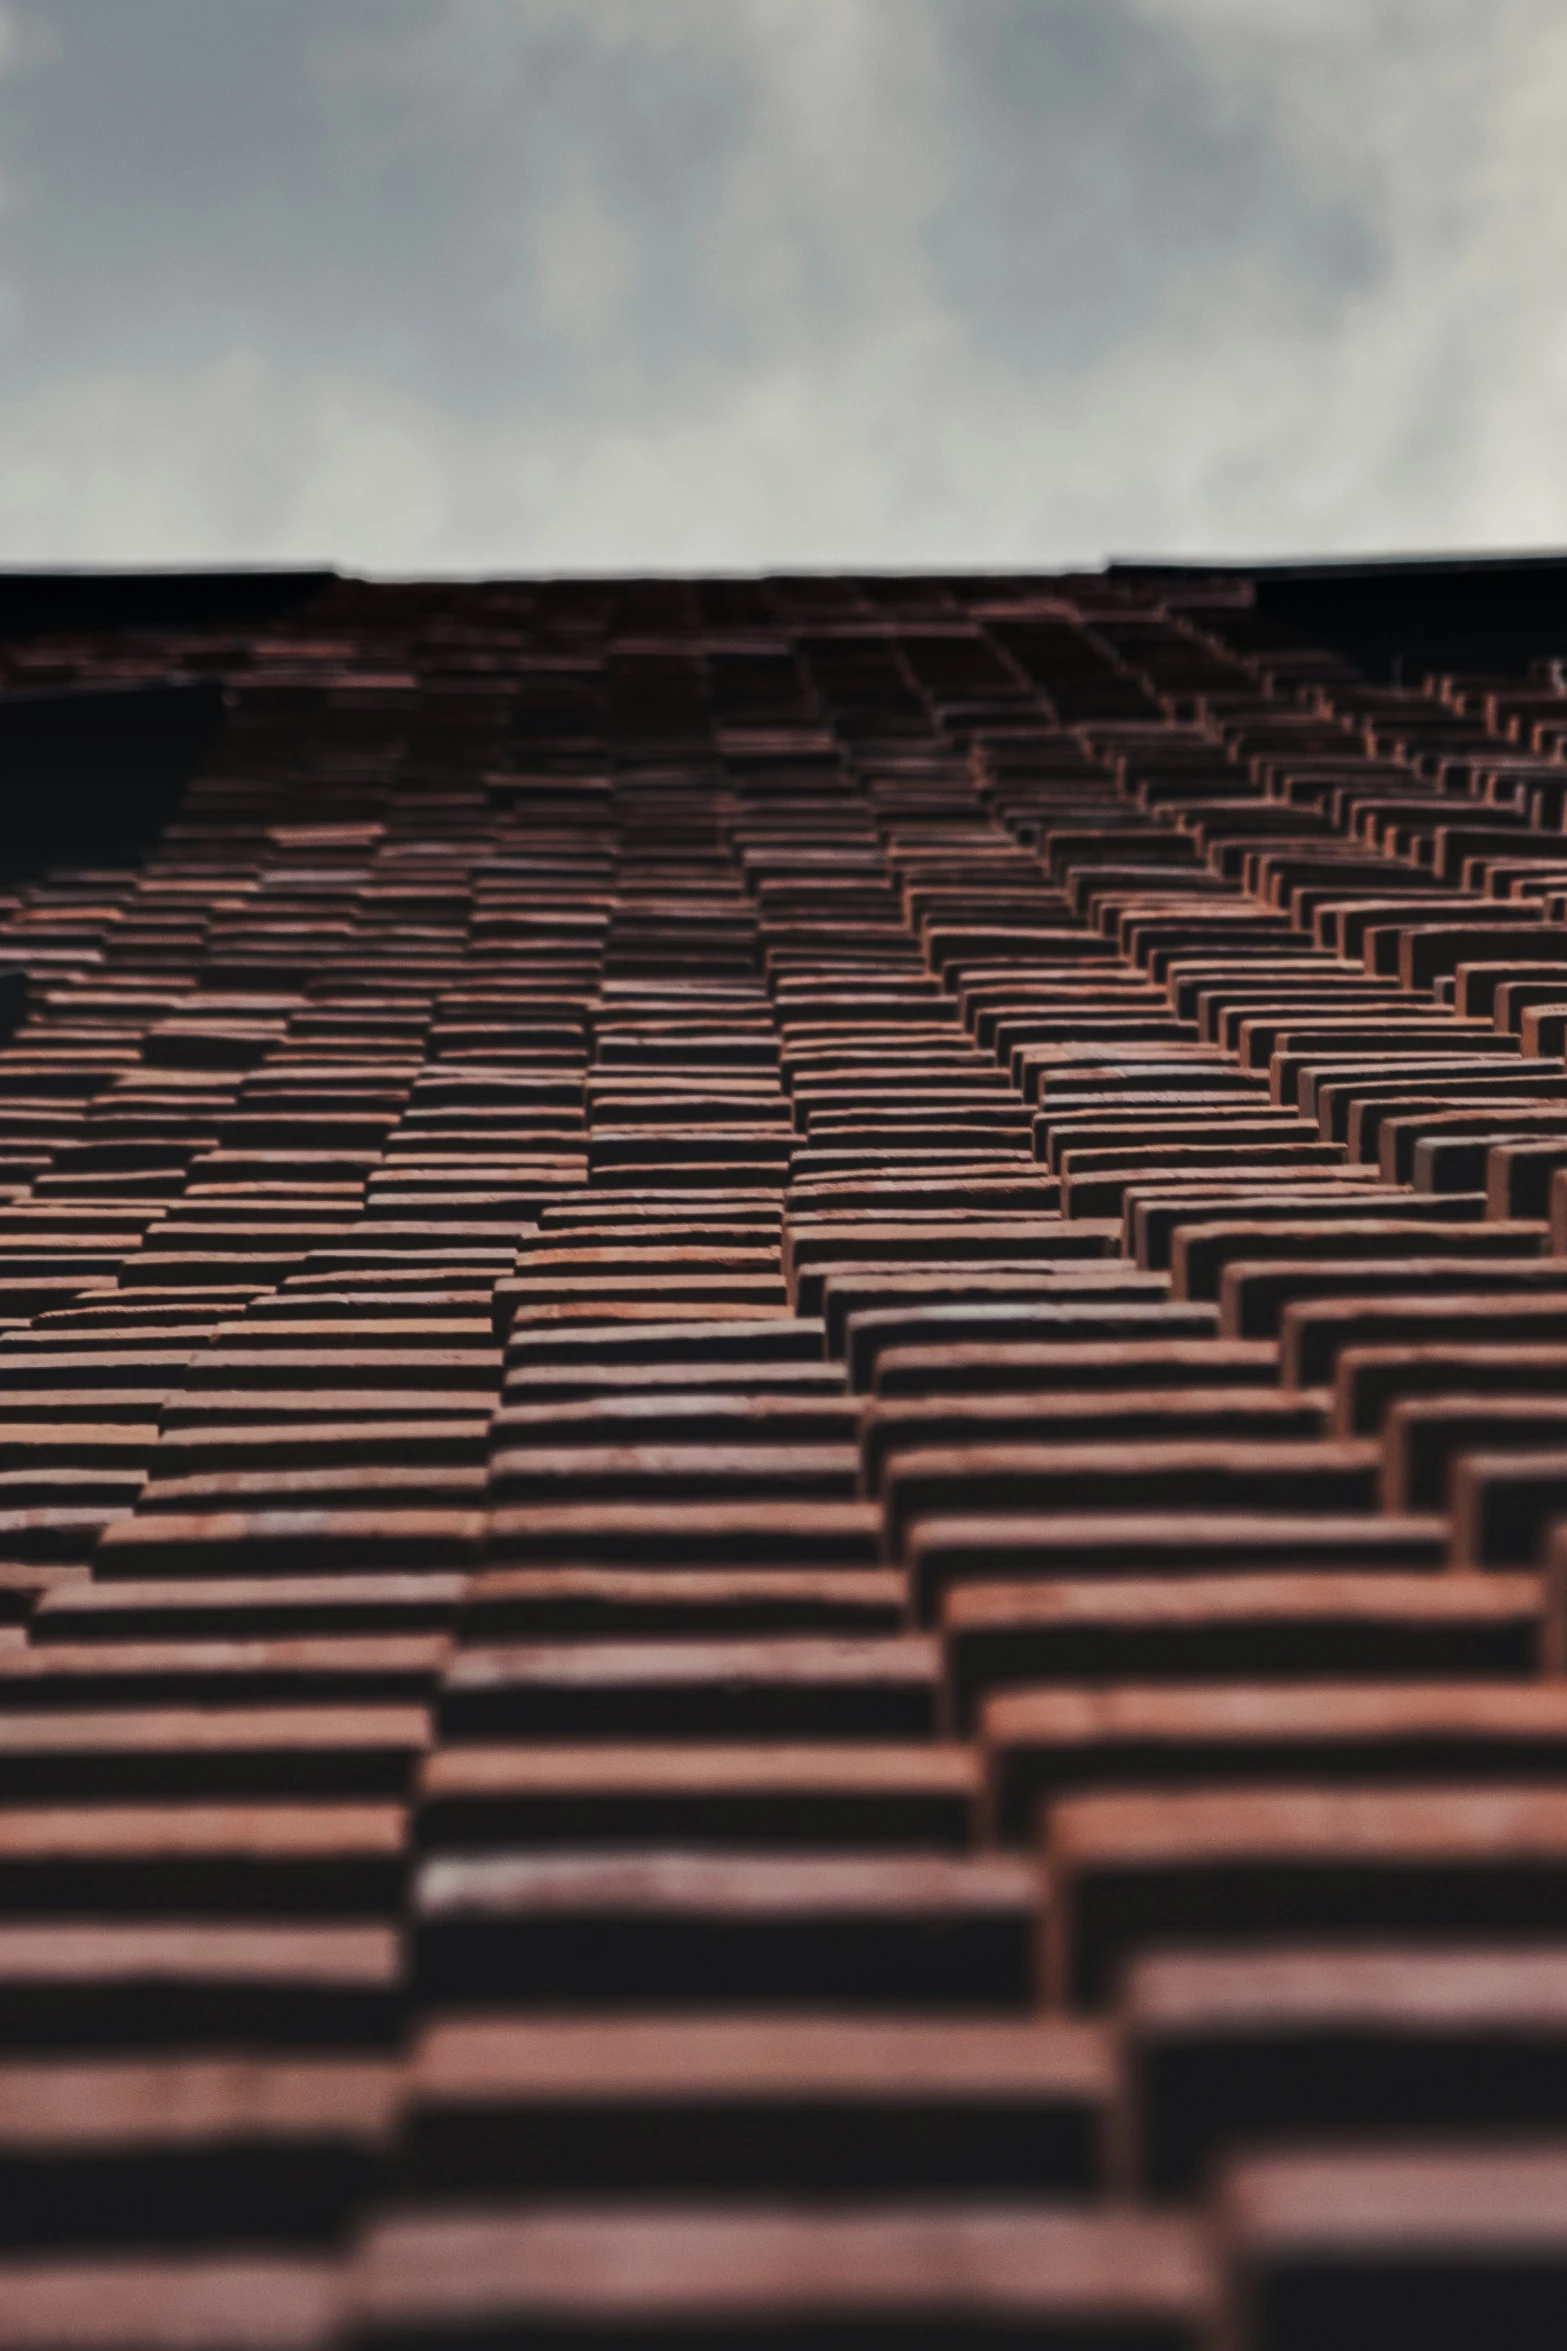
783, 1477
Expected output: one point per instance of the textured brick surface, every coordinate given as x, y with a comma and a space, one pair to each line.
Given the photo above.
783, 1485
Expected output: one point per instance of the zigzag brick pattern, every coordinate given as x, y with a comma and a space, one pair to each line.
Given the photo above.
783, 1396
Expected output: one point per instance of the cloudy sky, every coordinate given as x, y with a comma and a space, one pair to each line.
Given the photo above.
667, 284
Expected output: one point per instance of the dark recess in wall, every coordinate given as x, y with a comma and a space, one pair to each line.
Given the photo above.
92, 776
47, 603
1401, 618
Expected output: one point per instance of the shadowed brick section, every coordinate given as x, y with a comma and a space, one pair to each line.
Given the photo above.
1439, 1859
779, 2103
783, 1477
1387, 2038
653, 2272
1461, 2243
189, 2150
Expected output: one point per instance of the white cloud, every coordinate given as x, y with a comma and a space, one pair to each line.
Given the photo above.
582, 265
702, 283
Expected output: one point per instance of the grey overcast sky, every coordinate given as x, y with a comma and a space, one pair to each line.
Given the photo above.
675, 284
